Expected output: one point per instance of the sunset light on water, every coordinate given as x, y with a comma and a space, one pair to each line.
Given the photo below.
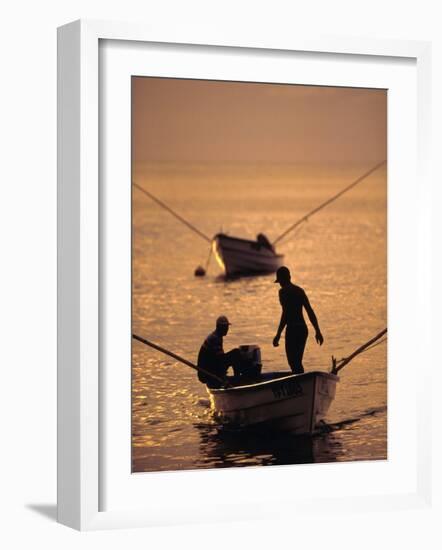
203, 169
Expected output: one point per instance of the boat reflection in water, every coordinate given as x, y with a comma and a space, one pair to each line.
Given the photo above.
223, 447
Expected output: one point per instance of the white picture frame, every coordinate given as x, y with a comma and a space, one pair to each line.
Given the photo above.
80, 294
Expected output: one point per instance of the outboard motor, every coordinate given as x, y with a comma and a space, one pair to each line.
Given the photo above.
250, 361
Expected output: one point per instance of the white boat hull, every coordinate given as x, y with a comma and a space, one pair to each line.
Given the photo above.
293, 403
244, 257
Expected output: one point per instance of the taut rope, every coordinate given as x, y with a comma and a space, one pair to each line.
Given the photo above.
177, 216
327, 202
337, 365
179, 358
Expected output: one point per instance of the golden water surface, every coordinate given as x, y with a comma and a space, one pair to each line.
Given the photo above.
338, 257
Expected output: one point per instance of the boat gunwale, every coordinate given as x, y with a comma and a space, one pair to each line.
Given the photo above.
250, 241
257, 385
270, 256
260, 405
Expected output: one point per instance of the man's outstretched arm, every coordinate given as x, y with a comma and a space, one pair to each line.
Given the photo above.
282, 324
313, 320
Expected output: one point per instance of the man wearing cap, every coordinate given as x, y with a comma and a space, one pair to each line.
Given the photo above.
293, 299
212, 358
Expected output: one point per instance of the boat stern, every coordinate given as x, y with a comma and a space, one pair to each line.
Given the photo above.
288, 402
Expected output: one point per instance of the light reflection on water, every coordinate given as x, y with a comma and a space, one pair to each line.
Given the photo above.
339, 257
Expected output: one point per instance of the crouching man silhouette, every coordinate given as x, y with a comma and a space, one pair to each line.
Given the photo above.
212, 358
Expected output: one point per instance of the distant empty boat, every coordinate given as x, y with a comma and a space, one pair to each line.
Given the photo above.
243, 257
280, 401
239, 256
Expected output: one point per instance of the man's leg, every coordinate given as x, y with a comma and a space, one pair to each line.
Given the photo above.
295, 341
241, 370
233, 359
217, 368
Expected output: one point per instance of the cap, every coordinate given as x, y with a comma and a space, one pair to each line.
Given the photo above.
222, 320
283, 274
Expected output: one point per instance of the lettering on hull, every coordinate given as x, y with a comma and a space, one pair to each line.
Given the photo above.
289, 388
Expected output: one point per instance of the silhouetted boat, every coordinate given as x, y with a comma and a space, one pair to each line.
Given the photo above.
245, 257
293, 403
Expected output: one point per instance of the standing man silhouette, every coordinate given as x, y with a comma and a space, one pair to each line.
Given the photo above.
293, 299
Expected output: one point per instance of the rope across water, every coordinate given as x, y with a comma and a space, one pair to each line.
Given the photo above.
175, 214
327, 202
179, 358
340, 364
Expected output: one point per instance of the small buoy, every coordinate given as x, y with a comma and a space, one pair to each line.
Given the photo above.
200, 271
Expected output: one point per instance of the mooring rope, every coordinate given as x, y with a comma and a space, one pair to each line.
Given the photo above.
337, 365
179, 358
209, 257
376, 344
177, 216
327, 202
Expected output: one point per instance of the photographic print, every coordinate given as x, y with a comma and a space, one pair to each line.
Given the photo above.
259, 274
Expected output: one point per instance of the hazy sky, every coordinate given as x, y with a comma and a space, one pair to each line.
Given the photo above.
194, 120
